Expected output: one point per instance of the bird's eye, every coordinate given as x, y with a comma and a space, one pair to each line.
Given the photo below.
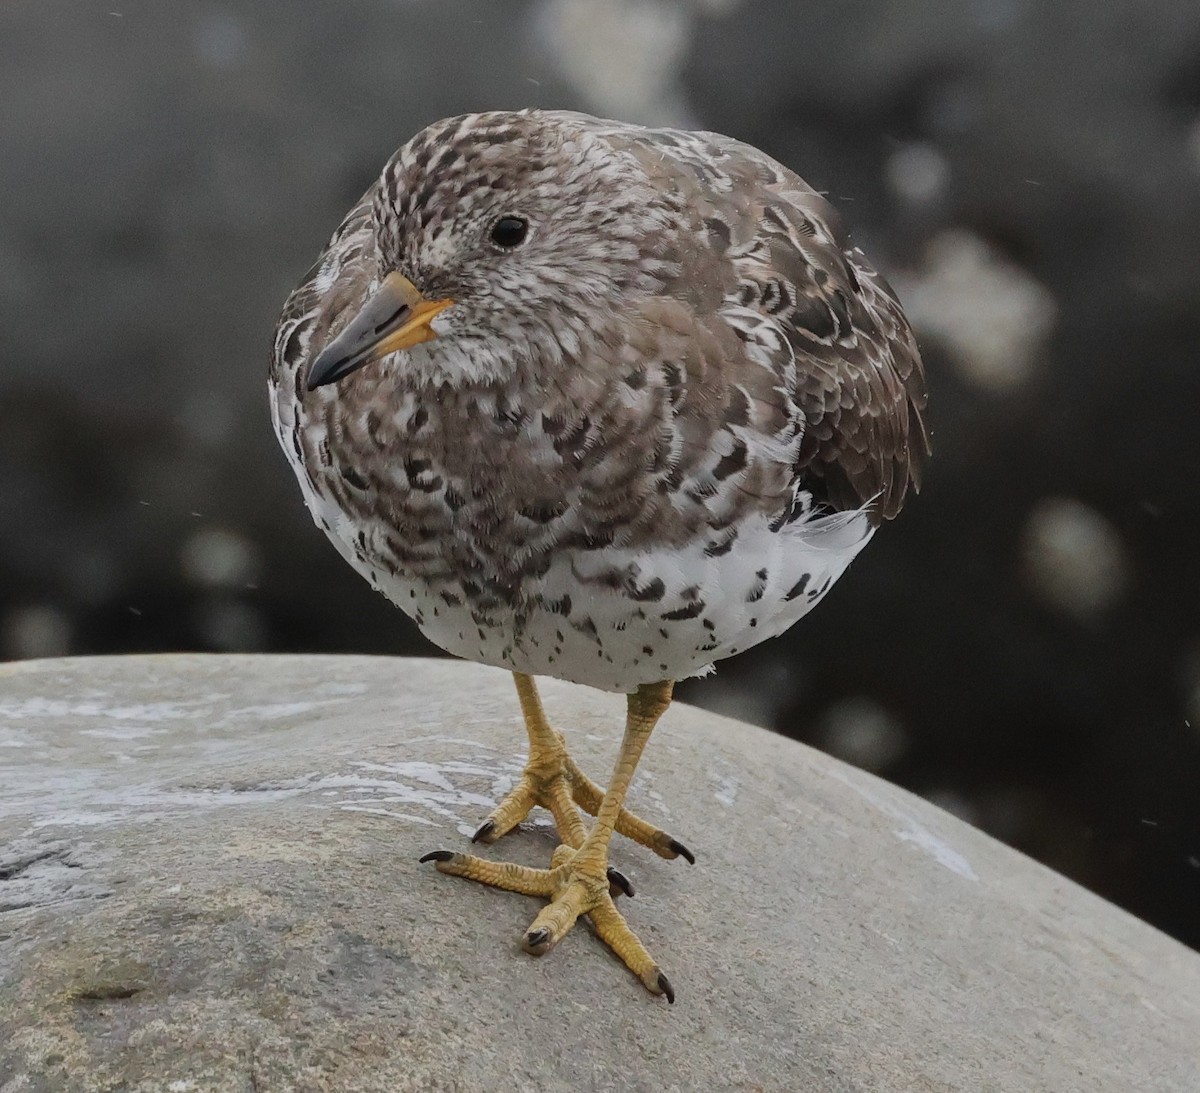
509, 231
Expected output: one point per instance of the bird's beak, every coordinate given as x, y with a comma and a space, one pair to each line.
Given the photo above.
395, 317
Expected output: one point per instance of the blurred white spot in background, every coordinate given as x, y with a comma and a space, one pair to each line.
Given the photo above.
624, 57
31, 632
218, 558
758, 694
917, 173
1193, 141
859, 730
228, 625
1073, 557
220, 39
991, 316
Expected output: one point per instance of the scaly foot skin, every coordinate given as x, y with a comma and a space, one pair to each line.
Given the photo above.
553, 780
577, 883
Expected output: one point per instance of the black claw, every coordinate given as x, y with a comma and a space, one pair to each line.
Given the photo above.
436, 855
619, 880
664, 985
485, 829
678, 847
536, 938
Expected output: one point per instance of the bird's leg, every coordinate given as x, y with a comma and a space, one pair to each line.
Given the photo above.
577, 882
588, 796
553, 780
581, 886
543, 782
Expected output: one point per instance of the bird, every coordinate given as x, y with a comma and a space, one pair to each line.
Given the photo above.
602, 403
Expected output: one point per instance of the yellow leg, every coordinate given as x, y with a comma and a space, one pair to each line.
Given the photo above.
544, 781
577, 882
553, 780
588, 795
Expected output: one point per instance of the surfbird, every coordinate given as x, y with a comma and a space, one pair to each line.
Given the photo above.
598, 402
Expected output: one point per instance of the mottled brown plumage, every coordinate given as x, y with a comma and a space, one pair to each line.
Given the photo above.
648, 433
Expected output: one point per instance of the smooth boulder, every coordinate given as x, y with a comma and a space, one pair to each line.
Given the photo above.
209, 881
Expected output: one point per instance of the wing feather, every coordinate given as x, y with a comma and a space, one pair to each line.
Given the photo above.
843, 349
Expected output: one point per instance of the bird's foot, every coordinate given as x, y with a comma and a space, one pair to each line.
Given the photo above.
577, 883
553, 780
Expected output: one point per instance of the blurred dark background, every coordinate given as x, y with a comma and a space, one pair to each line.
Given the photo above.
1022, 647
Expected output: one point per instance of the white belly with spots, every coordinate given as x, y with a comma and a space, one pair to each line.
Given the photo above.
679, 611
587, 632
709, 608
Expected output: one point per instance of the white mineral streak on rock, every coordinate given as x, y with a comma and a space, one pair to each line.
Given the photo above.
428, 787
57, 708
911, 829
726, 787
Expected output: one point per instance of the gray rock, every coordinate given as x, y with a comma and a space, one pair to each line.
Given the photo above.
208, 881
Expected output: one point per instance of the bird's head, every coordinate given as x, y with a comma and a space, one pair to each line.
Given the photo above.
503, 239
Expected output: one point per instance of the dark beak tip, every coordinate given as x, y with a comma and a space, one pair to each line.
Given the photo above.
325, 369
359, 341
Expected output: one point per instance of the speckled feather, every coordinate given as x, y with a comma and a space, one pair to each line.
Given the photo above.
652, 436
